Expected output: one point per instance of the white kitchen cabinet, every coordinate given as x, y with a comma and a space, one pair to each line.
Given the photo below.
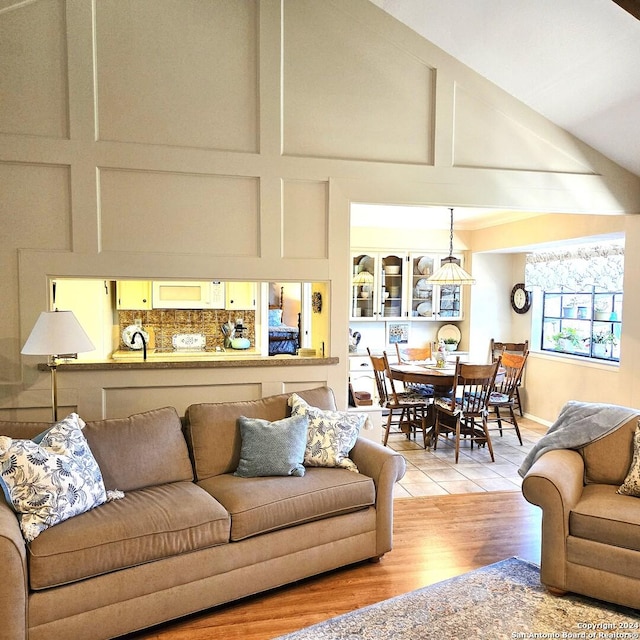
133, 295
378, 286
240, 295
91, 303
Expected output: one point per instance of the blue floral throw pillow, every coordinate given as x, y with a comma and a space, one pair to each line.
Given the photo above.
272, 448
51, 478
332, 434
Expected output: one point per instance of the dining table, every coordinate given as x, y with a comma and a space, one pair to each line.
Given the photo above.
442, 379
426, 373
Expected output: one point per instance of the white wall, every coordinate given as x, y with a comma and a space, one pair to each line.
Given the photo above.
226, 140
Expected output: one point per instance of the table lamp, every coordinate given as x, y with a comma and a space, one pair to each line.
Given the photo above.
56, 334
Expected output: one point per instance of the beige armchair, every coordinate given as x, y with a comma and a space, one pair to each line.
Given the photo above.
590, 533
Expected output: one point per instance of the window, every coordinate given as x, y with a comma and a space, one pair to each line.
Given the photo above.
582, 295
584, 324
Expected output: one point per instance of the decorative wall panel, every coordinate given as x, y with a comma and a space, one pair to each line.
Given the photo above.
305, 219
33, 76
344, 98
178, 73
35, 206
485, 136
123, 402
157, 212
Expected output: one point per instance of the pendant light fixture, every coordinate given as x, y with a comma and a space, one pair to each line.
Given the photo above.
450, 271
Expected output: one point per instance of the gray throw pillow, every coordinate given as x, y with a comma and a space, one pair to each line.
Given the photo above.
272, 448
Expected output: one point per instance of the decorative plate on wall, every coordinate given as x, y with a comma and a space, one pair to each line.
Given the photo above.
449, 331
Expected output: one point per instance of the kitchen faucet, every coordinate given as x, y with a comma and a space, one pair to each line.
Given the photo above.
144, 343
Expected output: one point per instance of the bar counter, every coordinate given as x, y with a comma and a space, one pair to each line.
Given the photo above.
191, 361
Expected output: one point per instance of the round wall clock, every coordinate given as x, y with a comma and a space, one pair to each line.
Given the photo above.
520, 298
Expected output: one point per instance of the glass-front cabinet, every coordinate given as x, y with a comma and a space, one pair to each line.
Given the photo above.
395, 286
378, 285
429, 301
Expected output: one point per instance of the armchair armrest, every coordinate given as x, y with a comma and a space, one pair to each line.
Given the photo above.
14, 583
386, 467
555, 483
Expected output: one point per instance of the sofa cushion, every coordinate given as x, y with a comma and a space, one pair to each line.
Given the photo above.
331, 435
607, 460
24, 430
272, 448
143, 450
602, 515
631, 484
52, 478
146, 525
213, 432
259, 505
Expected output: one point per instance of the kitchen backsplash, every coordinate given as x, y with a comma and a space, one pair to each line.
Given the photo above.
162, 324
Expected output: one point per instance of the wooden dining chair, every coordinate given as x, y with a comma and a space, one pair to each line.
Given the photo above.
497, 348
465, 414
504, 393
408, 355
405, 410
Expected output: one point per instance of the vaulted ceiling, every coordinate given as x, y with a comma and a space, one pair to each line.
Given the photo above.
577, 62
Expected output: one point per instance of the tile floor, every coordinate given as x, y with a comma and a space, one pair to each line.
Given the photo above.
431, 473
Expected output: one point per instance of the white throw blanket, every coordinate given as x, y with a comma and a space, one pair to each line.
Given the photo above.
578, 424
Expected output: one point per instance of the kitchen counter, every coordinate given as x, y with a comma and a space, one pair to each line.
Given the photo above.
191, 360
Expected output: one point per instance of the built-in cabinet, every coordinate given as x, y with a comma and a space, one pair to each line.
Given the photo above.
240, 295
185, 294
133, 295
388, 286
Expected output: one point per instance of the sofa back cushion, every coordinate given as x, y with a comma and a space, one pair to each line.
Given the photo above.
143, 450
23, 430
607, 460
213, 432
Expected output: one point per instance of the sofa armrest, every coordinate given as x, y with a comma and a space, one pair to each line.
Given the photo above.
14, 583
386, 467
555, 483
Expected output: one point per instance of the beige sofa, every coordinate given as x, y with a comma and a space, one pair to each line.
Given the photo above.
590, 533
188, 534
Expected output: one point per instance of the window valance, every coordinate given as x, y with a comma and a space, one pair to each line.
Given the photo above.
578, 269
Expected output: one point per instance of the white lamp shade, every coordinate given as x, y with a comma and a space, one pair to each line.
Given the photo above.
451, 273
57, 333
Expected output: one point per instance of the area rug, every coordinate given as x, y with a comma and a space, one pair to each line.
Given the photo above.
502, 600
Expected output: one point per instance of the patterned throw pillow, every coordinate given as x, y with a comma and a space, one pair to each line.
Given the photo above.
631, 484
331, 436
51, 478
272, 448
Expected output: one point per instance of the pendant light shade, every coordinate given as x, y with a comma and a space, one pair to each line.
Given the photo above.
450, 271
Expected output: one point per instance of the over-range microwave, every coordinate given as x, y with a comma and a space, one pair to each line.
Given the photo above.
187, 294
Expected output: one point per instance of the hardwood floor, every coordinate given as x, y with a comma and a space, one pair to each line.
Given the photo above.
435, 538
